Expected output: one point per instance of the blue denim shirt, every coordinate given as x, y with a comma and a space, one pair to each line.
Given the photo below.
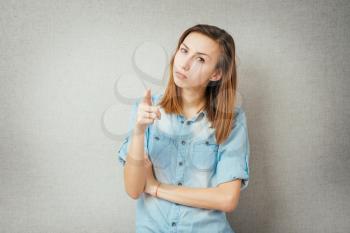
184, 152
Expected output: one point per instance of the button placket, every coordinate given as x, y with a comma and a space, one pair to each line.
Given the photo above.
180, 163
180, 168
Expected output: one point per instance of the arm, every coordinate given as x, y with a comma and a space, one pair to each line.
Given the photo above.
224, 197
134, 171
134, 176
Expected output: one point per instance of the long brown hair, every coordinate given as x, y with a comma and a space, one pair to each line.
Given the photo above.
220, 95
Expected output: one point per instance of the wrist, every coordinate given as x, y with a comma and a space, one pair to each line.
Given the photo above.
139, 130
157, 187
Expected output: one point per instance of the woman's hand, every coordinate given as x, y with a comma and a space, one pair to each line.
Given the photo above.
151, 182
146, 112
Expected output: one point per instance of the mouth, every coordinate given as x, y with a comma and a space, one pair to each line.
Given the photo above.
180, 75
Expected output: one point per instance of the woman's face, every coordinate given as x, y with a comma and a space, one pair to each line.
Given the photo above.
196, 59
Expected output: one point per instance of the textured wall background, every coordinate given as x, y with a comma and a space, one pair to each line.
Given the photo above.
68, 75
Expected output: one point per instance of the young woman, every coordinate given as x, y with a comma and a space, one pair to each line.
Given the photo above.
186, 156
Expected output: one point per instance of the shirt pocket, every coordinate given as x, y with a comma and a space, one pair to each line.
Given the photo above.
160, 150
203, 155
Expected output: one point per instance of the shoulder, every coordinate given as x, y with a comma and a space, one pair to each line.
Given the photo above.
238, 129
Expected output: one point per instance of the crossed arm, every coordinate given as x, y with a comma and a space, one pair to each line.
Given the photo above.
223, 197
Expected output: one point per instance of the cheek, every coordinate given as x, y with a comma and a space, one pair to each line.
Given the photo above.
177, 59
198, 80
201, 74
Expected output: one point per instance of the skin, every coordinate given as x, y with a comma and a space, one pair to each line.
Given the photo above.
199, 69
134, 176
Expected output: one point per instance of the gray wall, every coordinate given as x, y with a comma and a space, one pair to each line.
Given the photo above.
68, 76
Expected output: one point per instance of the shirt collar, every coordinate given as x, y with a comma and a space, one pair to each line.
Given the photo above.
197, 117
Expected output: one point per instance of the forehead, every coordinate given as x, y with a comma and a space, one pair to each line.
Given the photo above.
198, 42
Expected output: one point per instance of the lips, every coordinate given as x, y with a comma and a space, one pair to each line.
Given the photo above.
181, 75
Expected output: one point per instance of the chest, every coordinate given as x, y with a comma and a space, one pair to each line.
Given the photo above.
194, 151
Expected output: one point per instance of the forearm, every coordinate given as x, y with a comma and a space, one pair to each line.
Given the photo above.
134, 176
207, 198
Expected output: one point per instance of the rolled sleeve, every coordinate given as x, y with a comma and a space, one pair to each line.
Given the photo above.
233, 154
124, 146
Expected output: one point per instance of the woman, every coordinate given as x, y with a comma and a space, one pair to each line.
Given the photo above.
186, 155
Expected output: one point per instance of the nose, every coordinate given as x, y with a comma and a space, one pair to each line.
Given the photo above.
186, 63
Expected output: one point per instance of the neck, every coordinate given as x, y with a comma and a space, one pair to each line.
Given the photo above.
192, 100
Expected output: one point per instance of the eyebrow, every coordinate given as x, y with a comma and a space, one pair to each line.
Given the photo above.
197, 52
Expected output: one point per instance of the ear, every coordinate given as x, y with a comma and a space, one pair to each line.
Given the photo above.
217, 75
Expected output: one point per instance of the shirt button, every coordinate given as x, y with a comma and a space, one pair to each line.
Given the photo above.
188, 122
179, 183
180, 163
182, 122
173, 224
183, 142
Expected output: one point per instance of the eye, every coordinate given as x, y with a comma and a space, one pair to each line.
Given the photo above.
201, 60
183, 50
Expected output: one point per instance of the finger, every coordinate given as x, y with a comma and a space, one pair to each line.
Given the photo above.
147, 98
148, 108
147, 121
154, 109
146, 115
149, 115
158, 113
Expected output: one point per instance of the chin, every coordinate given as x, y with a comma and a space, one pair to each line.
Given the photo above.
178, 82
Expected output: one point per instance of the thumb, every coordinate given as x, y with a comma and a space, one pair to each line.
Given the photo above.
147, 97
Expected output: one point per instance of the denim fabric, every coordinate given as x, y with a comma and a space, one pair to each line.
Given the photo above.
184, 152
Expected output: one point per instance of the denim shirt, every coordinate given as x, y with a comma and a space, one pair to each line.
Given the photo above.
184, 152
